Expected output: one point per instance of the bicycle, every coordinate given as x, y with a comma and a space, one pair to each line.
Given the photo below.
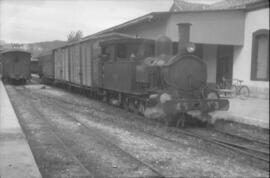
235, 88
239, 89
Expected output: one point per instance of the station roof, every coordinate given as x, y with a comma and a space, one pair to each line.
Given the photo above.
153, 16
182, 6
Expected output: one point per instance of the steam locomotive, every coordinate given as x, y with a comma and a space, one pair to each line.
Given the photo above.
140, 75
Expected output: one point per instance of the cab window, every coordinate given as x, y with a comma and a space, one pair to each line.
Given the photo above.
121, 51
128, 51
109, 52
149, 51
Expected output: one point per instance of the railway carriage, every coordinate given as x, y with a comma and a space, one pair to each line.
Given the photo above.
15, 66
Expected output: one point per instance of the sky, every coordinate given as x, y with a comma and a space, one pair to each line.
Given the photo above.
27, 21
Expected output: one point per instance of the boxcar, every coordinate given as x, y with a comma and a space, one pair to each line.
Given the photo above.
46, 67
34, 67
75, 63
16, 66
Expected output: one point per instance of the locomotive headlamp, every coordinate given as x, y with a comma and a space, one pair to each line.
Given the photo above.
191, 47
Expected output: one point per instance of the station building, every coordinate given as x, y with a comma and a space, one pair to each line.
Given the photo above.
232, 36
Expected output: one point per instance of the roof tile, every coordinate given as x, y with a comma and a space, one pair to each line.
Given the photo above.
185, 5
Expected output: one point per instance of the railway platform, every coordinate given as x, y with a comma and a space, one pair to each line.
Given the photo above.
16, 158
253, 111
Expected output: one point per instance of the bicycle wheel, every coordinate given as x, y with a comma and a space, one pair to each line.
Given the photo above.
234, 91
244, 92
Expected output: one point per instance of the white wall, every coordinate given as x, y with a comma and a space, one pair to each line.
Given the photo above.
258, 19
214, 27
210, 58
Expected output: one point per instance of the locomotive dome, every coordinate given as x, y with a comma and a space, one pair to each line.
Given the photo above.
163, 46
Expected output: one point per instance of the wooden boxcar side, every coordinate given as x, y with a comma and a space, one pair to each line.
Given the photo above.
34, 67
58, 65
75, 63
65, 62
86, 64
46, 64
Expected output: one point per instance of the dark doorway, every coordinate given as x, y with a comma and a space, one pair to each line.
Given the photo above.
224, 62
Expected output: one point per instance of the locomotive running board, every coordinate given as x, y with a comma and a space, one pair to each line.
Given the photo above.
206, 105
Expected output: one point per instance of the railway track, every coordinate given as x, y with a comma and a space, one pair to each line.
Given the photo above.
260, 154
90, 131
251, 139
152, 168
70, 159
254, 153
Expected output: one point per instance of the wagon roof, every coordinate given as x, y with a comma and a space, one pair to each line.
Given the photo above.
15, 50
95, 37
121, 41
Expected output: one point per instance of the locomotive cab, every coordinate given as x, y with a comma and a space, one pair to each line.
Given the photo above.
144, 76
122, 64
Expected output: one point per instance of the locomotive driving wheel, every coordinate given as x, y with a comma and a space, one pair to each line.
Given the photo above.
141, 107
125, 104
212, 95
132, 105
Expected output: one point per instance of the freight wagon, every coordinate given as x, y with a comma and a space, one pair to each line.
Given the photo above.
34, 67
46, 67
74, 63
15, 66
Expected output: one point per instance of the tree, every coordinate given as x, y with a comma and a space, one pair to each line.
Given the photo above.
74, 36
16, 45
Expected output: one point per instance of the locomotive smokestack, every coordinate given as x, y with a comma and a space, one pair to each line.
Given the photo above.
184, 31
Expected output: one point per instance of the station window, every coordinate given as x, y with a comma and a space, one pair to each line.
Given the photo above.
260, 55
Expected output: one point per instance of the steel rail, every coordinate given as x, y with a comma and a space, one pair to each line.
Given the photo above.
57, 137
189, 133
158, 174
220, 142
245, 138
